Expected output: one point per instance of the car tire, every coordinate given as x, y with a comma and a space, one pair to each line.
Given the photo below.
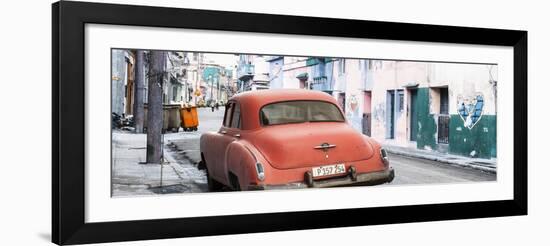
213, 185
234, 181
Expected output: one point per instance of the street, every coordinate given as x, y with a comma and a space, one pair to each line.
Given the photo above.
184, 146
434, 131
180, 174
408, 170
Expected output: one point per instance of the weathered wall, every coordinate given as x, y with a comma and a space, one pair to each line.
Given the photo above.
354, 93
293, 66
470, 85
384, 78
118, 76
426, 137
471, 100
472, 134
276, 73
480, 141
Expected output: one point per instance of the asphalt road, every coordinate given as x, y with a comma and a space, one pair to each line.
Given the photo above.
185, 148
420, 171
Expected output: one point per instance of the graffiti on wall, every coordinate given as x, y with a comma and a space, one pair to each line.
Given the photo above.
353, 103
379, 113
352, 112
470, 109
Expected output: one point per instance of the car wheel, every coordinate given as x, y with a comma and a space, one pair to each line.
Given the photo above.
213, 185
234, 181
308, 177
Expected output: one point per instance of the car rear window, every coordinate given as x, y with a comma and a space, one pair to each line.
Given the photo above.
299, 111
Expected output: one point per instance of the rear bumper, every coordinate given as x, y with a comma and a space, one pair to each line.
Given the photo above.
372, 178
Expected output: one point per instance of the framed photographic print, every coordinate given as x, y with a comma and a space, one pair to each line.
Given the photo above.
173, 122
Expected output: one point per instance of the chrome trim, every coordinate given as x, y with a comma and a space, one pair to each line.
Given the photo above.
384, 156
260, 173
372, 178
324, 146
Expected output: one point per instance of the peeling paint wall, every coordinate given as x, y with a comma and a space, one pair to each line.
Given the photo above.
384, 79
480, 141
354, 93
471, 93
426, 137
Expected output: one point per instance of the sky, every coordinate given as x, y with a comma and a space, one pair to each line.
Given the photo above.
226, 60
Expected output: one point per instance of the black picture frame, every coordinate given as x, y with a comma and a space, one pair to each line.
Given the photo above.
68, 122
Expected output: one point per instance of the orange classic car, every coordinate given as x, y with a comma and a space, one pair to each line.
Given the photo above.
276, 139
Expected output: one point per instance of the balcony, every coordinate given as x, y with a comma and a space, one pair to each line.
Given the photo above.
312, 61
320, 80
245, 71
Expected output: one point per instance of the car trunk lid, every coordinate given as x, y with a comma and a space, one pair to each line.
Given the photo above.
311, 144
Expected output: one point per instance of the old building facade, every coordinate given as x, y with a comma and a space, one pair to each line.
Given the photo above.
122, 81
436, 106
444, 107
191, 79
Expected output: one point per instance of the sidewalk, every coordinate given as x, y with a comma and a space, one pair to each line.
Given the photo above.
131, 176
487, 165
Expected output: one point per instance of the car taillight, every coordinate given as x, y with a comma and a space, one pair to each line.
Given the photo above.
384, 157
260, 171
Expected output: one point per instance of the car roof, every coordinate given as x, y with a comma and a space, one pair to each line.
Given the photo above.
263, 97
251, 102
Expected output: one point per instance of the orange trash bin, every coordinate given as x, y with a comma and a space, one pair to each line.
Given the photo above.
189, 118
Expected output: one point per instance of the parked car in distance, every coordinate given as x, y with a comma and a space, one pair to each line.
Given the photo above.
289, 138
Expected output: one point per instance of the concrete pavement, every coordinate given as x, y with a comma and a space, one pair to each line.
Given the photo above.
131, 176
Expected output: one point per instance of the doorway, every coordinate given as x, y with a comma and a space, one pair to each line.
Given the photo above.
390, 114
366, 121
443, 119
414, 114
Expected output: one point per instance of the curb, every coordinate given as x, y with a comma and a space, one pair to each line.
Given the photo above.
443, 160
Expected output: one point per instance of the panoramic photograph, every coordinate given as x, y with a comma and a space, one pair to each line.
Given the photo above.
198, 122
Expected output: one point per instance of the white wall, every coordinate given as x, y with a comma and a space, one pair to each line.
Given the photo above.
25, 175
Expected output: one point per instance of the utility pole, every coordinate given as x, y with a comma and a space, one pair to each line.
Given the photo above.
199, 75
139, 92
157, 72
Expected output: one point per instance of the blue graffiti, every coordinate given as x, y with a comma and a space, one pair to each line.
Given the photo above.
470, 110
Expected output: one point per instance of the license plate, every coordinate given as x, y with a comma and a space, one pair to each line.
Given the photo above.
328, 170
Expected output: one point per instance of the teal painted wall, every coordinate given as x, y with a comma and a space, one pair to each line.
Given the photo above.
214, 72
481, 138
427, 126
479, 142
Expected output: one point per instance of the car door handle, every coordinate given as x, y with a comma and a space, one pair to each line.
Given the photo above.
237, 135
223, 132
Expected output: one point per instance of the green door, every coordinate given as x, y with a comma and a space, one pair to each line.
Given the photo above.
414, 114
